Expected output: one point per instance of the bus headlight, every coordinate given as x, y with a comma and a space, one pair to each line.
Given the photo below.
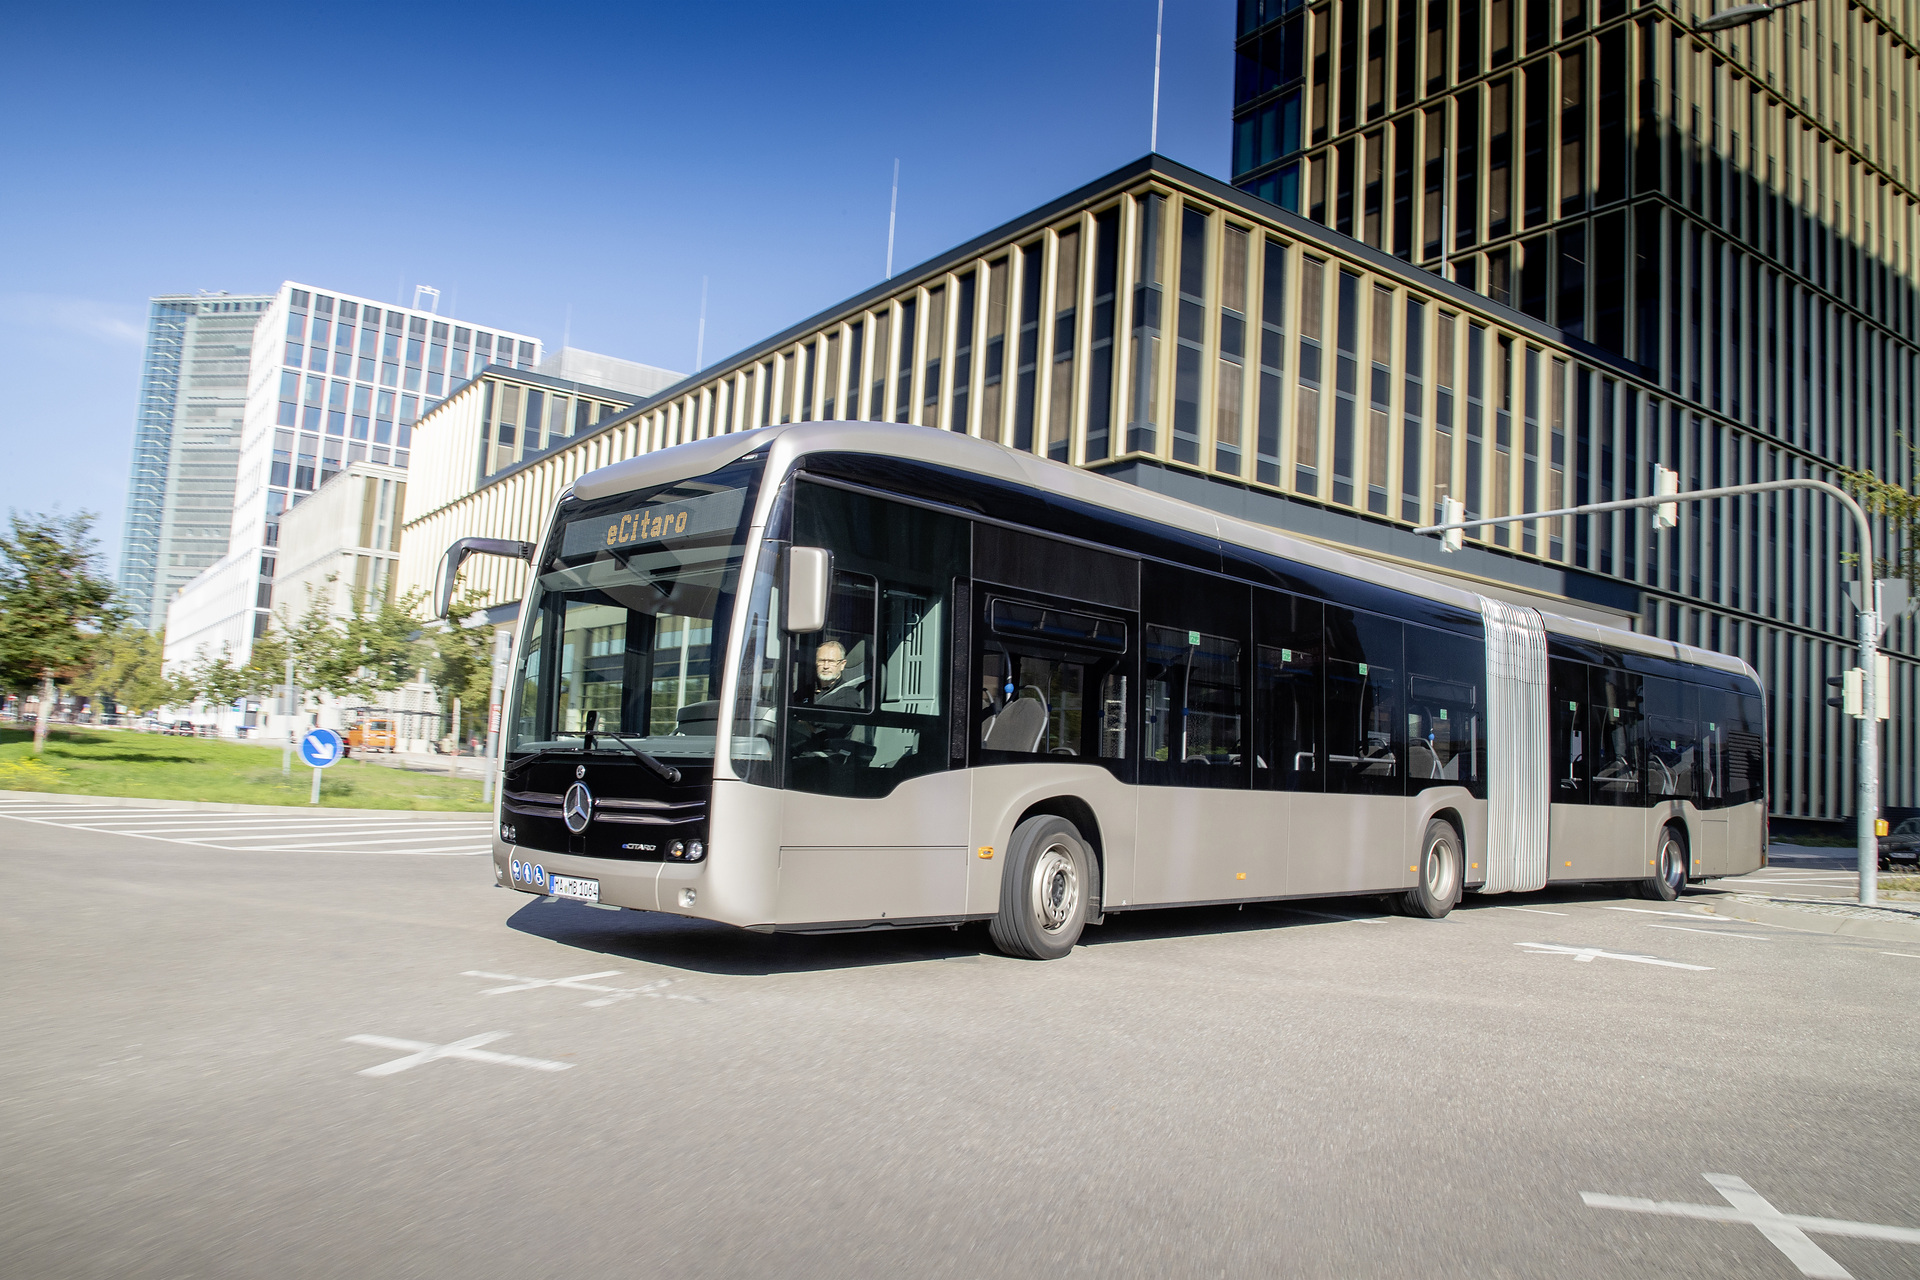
678, 849
696, 851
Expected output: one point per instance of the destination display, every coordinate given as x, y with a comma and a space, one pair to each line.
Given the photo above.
656, 522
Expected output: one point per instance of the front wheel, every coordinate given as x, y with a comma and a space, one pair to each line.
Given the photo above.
1438, 888
1045, 890
1669, 866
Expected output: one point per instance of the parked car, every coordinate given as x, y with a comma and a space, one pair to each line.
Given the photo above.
1901, 846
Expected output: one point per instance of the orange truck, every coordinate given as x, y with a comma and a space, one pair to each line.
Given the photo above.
371, 735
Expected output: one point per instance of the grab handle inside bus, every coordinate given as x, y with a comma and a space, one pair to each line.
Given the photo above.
809, 579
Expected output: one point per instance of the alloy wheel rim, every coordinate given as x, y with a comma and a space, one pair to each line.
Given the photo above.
1673, 868
1438, 871
1056, 888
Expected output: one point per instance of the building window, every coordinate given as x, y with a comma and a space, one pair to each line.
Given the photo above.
1188, 356
993, 391
1060, 388
1273, 314
1411, 428
1346, 385
1026, 369
936, 347
1306, 432
903, 391
1380, 393
1230, 387
963, 324
1142, 434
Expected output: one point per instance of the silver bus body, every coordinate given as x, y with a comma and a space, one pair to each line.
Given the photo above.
932, 850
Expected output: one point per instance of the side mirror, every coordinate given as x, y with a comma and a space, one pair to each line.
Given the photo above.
809, 578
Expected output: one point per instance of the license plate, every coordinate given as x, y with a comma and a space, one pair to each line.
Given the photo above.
574, 887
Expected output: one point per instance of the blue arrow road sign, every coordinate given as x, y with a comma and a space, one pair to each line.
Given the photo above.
320, 748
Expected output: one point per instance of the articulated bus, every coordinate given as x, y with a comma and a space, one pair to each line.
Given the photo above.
840, 676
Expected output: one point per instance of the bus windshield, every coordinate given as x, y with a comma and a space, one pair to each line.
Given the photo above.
625, 617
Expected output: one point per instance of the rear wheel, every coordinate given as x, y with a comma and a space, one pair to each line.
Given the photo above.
1669, 865
1045, 889
1438, 887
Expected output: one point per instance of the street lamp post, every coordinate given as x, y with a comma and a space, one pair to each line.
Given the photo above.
1868, 793
1739, 16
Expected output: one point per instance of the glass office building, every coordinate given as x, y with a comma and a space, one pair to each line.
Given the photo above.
334, 379
1733, 214
186, 441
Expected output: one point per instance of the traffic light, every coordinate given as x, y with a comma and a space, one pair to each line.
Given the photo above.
1850, 687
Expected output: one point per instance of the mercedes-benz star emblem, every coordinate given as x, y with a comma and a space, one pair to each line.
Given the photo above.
577, 809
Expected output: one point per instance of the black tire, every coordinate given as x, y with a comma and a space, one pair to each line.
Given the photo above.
1441, 863
1669, 864
1046, 888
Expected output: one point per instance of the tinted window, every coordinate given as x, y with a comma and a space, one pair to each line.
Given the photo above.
1616, 737
1673, 748
869, 697
1052, 682
1446, 717
1366, 738
1192, 716
1745, 750
1567, 716
1289, 695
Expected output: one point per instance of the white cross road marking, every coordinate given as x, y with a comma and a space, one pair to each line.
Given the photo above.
1787, 1232
1711, 933
1908, 954
1534, 911
608, 995
1684, 915
420, 1052
1587, 955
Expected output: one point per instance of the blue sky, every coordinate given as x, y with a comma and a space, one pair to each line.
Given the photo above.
555, 168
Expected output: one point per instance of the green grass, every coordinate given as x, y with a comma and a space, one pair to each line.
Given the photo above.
106, 762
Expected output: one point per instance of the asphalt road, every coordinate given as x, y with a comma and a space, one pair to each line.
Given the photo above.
1266, 1092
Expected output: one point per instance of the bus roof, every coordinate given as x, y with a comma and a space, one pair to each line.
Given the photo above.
787, 443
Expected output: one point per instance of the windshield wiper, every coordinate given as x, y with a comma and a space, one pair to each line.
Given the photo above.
647, 758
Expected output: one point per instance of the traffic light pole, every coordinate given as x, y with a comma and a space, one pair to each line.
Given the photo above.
1867, 801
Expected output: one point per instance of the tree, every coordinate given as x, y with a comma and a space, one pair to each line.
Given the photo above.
462, 663
53, 604
124, 667
1901, 508
382, 641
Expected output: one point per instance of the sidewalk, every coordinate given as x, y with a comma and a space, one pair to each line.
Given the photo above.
217, 806
425, 762
1886, 921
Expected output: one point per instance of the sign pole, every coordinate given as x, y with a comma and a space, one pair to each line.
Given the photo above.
315, 799
502, 651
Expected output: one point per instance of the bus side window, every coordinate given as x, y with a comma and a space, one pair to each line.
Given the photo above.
867, 695
1446, 721
1746, 749
1567, 701
1616, 738
1366, 737
1288, 694
1194, 731
1672, 742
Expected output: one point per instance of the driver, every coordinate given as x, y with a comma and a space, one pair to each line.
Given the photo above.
832, 688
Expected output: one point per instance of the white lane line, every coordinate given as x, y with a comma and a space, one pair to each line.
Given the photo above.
326, 844
1587, 955
1711, 933
463, 850
1787, 1232
608, 995
1534, 910
421, 1052
1908, 954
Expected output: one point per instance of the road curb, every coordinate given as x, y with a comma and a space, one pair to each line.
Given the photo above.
215, 806
1812, 918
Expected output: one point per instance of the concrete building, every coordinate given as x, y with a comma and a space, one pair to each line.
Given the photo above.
186, 443
1173, 331
334, 380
